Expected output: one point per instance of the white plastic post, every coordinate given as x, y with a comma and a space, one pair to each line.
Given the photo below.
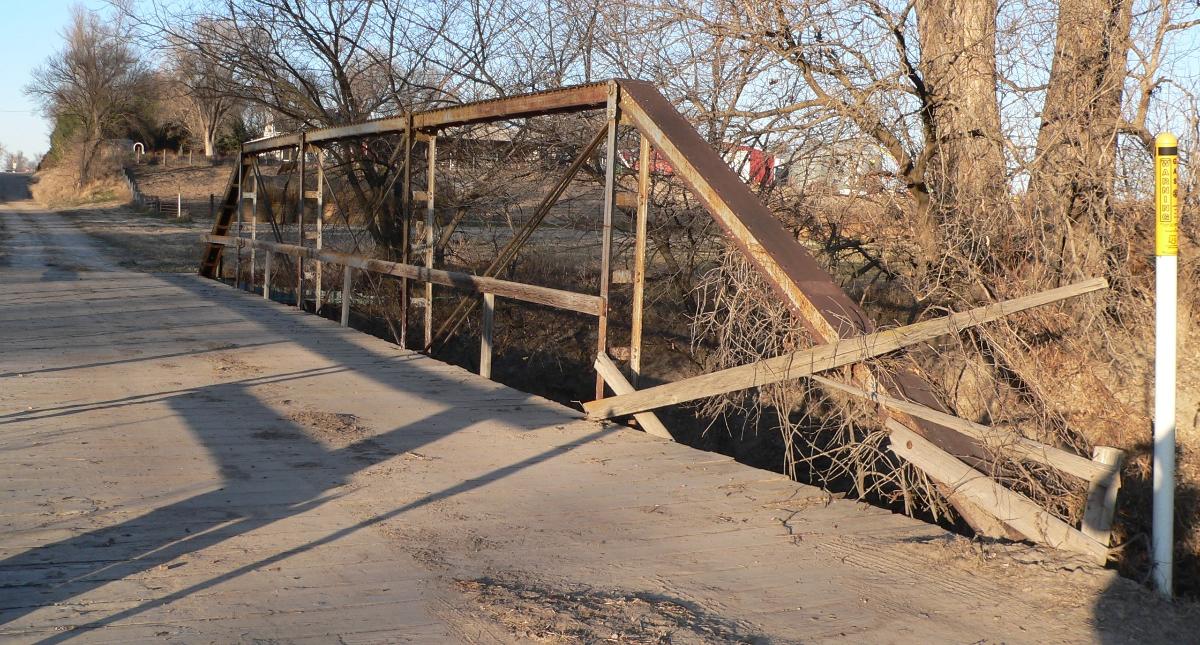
1166, 251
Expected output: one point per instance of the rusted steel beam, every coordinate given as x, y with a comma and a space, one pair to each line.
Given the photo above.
790, 269
510, 250
568, 99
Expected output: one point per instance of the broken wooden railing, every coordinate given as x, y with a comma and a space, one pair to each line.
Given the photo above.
1016, 510
922, 431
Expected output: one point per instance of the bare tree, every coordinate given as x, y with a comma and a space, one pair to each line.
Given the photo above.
199, 93
1077, 144
96, 79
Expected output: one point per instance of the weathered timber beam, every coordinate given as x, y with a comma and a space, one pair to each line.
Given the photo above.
1013, 508
824, 357
994, 438
616, 380
569, 300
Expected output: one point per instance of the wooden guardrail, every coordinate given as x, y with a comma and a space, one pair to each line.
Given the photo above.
569, 300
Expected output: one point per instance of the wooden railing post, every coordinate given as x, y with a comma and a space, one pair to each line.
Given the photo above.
320, 203
267, 275
1102, 496
485, 341
300, 226
406, 227
610, 181
639, 262
237, 264
430, 189
347, 285
253, 220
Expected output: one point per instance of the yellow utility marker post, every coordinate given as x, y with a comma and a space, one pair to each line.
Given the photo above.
1166, 252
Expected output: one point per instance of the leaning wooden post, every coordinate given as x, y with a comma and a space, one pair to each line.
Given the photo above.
485, 340
639, 262
320, 206
1102, 496
347, 285
300, 225
610, 178
430, 186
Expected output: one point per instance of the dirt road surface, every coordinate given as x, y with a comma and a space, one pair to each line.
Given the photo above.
183, 462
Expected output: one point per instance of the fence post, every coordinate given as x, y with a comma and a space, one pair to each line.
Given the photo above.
267, 275
485, 341
178, 206
212, 206
347, 285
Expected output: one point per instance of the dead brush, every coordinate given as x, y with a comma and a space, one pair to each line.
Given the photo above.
837, 440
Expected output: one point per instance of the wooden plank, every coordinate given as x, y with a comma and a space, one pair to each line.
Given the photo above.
578, 302
639, 261
612, 375
485, 340
1012, 508
994, 438
825, 357
1102, 495
610, 188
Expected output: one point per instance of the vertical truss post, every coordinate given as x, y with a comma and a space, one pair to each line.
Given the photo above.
485, 336
300, 225
430, 186
610, 185
320, 207
253, 220
406, 227
237, 263
639, 262
347, 286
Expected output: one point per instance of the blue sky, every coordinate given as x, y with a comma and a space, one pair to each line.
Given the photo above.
29, 32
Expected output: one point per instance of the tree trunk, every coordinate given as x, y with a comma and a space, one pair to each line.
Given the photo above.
1073, 178
966, 172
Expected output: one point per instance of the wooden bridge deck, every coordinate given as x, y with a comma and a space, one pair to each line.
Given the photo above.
185, 462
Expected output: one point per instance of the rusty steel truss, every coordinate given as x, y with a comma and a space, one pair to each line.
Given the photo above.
817, 301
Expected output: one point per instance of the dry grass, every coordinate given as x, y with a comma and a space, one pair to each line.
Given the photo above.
59, 186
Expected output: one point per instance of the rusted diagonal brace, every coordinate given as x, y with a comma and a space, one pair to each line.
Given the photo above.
509, 252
